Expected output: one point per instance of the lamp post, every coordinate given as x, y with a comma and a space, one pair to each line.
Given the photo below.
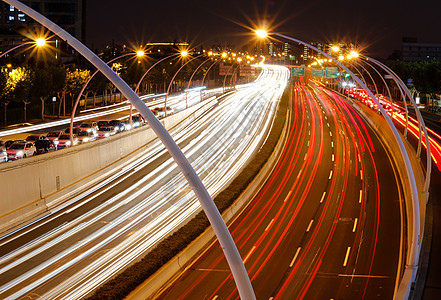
171, 82
219, 227
209, 68
74, 109
38, 42
412, 261
189, 82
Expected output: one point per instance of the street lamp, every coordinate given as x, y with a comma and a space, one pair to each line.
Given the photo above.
171, 82
38, 42
189, 82
412, 262
139, 53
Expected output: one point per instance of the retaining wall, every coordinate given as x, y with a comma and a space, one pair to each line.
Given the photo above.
32, 186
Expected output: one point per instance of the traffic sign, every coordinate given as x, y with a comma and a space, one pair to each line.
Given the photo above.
317, 72
332, 72
298, 71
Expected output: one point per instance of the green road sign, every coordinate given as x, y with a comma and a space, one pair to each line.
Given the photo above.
298, 71
317, 72
332, 72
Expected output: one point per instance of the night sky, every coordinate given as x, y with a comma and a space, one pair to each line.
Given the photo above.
376, 25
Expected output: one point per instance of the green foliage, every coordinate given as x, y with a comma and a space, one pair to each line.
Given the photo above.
426, 75
127, 281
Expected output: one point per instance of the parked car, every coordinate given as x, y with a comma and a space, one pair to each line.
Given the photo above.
44, 146
75, 130
102, 123
88, 126
3, 155
137, 121
159, 112
53, 135
105, 131
127, 124
35, 137
86, 136
10, 142
117, 125
20, 150
63, 141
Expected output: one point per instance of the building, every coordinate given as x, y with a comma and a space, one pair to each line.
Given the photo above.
411, 50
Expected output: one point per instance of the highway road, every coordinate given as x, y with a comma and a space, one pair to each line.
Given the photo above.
80, 244
327, 224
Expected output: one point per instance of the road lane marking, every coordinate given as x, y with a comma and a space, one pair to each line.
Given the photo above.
327, 124
330, 133
269, 225
361, 195
249, 254
362, 276
306, 154
309, 132
346, 257
359, 158
309, 226
295, 256
308, 143
332, 157
332, 144
330, 175
323, 197
361, 174
299, 173
215, 297
355, 224
287, 196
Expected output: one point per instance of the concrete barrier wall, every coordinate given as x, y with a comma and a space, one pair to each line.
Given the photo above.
31, 186
385, 133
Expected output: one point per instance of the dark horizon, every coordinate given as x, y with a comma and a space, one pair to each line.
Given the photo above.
377, 26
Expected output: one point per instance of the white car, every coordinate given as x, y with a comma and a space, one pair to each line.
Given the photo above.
63, 141
20, 150
105, 131
86, 136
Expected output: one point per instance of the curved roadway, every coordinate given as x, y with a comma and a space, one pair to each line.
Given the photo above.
328, 222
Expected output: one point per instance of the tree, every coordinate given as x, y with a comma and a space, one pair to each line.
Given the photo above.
20, 80
75, 81
3, 90
42, 86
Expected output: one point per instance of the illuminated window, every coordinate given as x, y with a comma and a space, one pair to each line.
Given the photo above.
21, 17
11, 8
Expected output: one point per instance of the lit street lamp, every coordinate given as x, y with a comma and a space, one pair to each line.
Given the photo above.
38, 42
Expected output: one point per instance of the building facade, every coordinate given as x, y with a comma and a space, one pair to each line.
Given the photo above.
411, 50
